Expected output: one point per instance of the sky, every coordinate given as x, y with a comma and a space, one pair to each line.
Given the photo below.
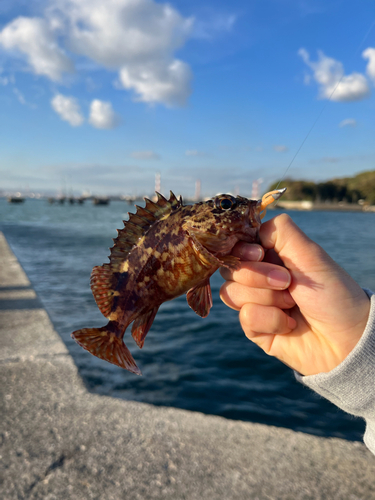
101, 95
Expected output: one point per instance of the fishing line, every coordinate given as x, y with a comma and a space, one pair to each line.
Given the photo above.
323, 108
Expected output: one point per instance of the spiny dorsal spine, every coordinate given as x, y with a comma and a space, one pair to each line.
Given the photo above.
138, 224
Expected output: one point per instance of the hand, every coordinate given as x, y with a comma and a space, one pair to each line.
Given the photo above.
297, 304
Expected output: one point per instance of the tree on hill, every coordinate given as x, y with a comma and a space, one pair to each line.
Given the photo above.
348, 189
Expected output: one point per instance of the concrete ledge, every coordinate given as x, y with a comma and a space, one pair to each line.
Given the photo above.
60, 442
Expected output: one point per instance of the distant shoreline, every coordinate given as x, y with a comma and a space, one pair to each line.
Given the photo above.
335, 207
304, 205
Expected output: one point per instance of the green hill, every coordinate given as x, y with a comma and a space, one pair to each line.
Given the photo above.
348, 189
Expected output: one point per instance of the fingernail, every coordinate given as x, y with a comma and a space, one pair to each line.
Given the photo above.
279, 278
252, 252
292, 323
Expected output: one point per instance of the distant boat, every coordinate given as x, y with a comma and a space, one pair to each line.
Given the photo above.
100, 201
62, 200
15, 199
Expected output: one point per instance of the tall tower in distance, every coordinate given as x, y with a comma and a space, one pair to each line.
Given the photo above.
255, 193
158, 182
197, 195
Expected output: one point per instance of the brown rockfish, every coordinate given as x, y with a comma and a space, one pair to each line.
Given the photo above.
166, 249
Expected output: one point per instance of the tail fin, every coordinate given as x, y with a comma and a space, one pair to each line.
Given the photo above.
106, 345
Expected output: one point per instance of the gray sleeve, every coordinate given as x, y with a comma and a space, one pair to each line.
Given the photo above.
351, 385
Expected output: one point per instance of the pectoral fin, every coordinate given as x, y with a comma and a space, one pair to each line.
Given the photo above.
207, 258
199, 298
230, 261
212, 243
102, 288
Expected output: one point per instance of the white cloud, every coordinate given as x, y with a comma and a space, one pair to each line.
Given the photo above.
33, 38
370, 55
328, 72
280, 148
68, 109
19, 95
348, 122
194, 152
135, 37
145, 155
115, 32
21, 98
215, 24
158, 81
102, 115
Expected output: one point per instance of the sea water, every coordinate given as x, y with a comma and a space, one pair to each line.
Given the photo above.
205, 365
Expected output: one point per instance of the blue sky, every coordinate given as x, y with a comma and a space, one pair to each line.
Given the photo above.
100, 95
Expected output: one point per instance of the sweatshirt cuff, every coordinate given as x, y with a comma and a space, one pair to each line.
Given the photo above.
350, 385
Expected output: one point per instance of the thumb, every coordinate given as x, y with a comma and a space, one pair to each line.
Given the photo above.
327, 297
297, 251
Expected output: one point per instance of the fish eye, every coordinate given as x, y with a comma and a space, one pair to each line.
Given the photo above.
226, 203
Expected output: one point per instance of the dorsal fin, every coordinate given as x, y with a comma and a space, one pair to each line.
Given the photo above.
138, 224
174, 201
162, 202
153, 207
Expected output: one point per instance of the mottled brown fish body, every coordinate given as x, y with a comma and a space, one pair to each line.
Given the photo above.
165, 250
155, 274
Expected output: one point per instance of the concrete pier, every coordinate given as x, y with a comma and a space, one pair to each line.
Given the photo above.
57, 441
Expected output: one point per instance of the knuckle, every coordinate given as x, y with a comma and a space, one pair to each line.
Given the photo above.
283, 220
273, 319
228, 295
247, 314
263, 319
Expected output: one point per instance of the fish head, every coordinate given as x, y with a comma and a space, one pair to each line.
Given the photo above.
225, 219
236, 216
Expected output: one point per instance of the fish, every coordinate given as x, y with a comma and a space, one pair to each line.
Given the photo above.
166, 249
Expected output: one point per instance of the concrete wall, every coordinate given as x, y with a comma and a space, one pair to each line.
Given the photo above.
60, 442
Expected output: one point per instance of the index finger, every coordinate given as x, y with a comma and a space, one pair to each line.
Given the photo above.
259, 275
248, 251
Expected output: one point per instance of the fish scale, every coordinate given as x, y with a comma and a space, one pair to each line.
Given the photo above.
166, 249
